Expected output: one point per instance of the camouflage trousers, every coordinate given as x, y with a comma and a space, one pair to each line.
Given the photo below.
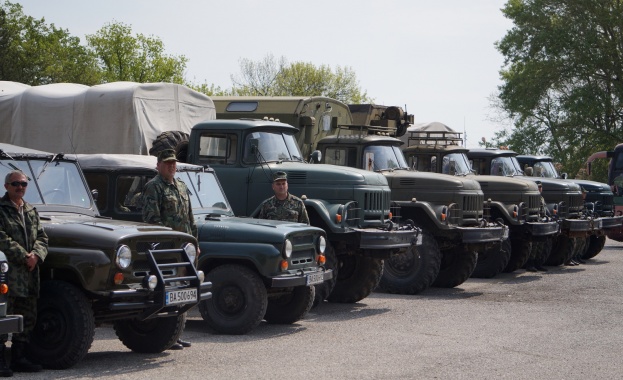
27, 307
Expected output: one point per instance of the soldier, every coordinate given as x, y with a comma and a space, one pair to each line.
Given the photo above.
166, 202
538, 253
25, 244
283, 205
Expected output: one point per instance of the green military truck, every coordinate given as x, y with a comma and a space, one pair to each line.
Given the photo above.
448, 210
259, 269
562, 198
139, 277
517, 202
8, 323
598, 199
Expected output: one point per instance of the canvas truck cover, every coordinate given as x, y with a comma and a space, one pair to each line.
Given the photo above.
118, 117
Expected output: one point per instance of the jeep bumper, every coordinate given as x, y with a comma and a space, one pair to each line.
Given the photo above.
11, 324
302, 278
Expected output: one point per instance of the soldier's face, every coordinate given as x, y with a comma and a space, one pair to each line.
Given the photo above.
280, 188
18, 191
167, 169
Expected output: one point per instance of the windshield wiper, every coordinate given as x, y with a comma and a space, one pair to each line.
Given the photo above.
45, 166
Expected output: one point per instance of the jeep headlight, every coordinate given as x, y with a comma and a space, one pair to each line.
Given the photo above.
191, 251
124, 257
287, 249
4, 267
322, 244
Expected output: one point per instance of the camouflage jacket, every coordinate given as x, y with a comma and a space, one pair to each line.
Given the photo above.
16, 241
291, 209
168, 205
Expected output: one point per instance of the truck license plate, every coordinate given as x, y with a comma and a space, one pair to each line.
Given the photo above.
315, 278
181, 296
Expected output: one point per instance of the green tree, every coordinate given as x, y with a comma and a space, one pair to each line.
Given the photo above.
563, 77
34, 53
124, 57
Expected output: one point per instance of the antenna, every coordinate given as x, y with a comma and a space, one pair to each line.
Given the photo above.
464, 133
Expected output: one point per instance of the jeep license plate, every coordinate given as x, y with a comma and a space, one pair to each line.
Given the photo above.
181, 296
315, 278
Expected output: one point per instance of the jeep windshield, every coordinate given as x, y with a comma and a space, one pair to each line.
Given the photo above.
456, 164
271, 146
50, 182
505, 166
383, 157
206, 195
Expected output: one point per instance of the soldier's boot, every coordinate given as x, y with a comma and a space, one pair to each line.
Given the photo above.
19, 362
5, 371
529, 266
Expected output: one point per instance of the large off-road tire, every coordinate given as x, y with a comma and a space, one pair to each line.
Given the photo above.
414, 270
520, 253
492, 261
323, 290
239, 300
357, 277
65, 326
150, 336
563, 248
175, 140
457, 264
289, 308
594, 245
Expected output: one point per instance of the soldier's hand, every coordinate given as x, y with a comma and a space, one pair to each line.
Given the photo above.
31, 261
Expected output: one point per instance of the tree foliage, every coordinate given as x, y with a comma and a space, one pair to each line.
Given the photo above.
563, 77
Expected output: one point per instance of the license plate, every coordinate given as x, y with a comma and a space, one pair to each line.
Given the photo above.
181, 296
315, 278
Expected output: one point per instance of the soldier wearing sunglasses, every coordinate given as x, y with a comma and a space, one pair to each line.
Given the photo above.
25, 245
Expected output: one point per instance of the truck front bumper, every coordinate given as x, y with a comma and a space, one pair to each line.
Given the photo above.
373, 239
475, 235
610, 222
11, 324
581, 227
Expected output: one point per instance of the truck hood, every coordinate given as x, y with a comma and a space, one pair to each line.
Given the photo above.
414, 180
318, 174
493, 183
554, 185
592, 186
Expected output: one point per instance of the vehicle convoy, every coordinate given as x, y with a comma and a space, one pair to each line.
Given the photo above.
562, 198
598, 199
437, 148
139, 277
8, 323
449, 210
259, 269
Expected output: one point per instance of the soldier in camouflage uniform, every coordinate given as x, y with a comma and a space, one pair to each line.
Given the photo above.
166, 202
25, 245
283, 205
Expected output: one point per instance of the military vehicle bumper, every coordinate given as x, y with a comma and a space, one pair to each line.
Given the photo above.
542, 229
611, 222
474, 235
11, 324
305, 278
372, 239
581, 227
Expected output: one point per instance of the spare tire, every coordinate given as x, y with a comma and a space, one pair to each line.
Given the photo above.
169, 140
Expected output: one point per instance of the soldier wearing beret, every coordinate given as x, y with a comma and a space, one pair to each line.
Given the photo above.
283, 205
166, 202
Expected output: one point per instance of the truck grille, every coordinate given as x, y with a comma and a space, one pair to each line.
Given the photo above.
375, 204
604, 203
472, 209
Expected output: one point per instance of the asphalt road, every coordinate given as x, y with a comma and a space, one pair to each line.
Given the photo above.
562, 324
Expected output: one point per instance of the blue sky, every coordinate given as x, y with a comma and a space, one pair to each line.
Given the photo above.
437, 58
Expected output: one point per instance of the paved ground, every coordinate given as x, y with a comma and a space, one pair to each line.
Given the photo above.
563, 324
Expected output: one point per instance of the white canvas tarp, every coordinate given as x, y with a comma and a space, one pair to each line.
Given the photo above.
119, 117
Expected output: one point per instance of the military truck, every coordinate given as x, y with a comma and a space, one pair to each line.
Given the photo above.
139, 277
449, 210
437, 148
598, 199
259, 269
563, 199
8, 323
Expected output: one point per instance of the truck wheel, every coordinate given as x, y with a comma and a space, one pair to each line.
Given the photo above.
238, 302
65, 326
492, 261
289, 308
412, 271
151, 336
323, 290
457, 265
520, 253
595, 245
562, 249
168, 140
357, 277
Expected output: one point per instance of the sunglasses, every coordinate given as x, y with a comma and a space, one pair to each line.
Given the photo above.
18, 183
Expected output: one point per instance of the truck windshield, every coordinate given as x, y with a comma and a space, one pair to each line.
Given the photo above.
383, 157
273, 146
544, 169
455, 164
505, 166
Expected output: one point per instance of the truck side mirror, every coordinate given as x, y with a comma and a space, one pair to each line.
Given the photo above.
564, 176
254, 145
95, 194
315, 157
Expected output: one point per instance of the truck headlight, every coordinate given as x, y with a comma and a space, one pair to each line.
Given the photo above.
322, 244
124, 257
287, 249
191, 251
4, 267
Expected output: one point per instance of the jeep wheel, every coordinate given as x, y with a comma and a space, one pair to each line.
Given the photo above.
169, 140
457, 265
357, 277
492, 261
289, 308
520, 254
412, 271
238, 302
562, 249
151, 336
594, 245
323, 290
65, 326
